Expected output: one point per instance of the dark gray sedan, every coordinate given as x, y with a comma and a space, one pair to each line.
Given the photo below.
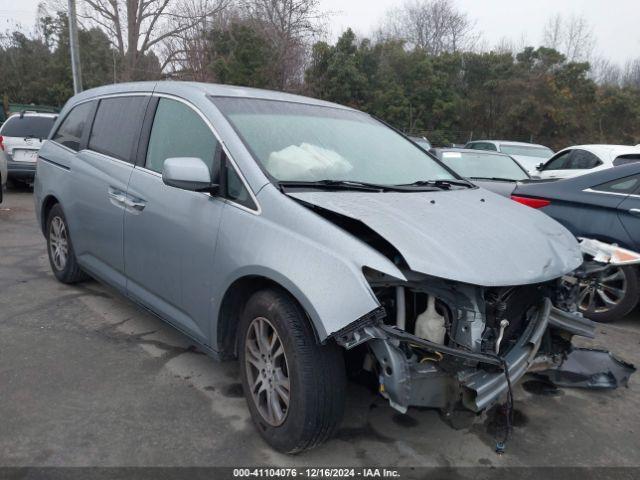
491, 170
604, 205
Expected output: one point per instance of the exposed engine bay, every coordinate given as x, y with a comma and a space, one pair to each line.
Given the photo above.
464, 317
444, 344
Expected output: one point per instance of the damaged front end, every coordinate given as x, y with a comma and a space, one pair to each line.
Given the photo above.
444, 344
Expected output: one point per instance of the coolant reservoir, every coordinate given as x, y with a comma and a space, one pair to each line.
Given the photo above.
430, 324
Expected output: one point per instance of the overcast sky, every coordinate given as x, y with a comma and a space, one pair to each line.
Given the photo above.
616, 22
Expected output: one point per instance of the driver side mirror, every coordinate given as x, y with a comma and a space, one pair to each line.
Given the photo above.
188, 173
539, 166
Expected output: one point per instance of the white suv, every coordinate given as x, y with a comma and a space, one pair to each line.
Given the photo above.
21, 137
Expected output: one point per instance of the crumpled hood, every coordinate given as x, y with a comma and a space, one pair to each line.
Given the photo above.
469, 235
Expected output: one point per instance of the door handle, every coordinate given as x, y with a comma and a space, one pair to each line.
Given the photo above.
635, 211
116, 196
135, 204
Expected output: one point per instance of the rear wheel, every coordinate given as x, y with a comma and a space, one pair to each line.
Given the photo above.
610, 295
295, 388
61, 255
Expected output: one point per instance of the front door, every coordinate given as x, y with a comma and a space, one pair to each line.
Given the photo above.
170, 234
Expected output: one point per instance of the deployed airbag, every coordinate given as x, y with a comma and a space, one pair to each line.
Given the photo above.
306, 162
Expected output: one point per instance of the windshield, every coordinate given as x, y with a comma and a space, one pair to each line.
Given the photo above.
37, 127
527, 151
484, 165
307, 143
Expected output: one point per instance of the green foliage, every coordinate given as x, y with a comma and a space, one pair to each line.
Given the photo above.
535, 95
238, 55
38, 70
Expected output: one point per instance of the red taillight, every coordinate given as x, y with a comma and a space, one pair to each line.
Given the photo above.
1, 143
531, 202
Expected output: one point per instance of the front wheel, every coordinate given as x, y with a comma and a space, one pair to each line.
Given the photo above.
295, 387
610, 295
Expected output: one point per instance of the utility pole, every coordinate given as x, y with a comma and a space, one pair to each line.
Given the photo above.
75, 51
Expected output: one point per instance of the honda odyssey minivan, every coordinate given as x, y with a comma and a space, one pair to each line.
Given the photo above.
303, 237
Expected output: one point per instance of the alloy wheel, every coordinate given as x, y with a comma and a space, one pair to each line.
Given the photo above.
58, 243
267, 371
603, 293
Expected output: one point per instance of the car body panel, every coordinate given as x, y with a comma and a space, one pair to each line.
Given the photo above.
455, 245
3, 173
283, 245
97, 217
628, 212
587, 212
167, 270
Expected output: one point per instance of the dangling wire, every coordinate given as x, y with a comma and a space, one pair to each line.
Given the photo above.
502, 444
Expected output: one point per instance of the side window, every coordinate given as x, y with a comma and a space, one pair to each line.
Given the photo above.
626, 159
117, 125
483, 146
559, 162
178, 131
235, 189
581, 159
72, 127
624, 185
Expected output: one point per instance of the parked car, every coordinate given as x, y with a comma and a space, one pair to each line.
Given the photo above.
293, 232
491, 170
3, 170
604, 205
581, 159
422, 141
529, 155
22, 136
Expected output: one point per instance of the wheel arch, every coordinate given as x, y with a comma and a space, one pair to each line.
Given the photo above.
47, 204
234, 301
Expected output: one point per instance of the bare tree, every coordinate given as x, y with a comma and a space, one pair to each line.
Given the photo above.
605, 72
139, 29
435, 26
573, 37
631, 76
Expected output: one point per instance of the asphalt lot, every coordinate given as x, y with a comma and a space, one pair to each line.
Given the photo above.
89, 379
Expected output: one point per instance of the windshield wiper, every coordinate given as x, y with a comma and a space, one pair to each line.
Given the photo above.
499, 179
343, 185
329, 184
439, 184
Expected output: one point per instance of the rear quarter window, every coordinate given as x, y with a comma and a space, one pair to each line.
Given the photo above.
624, 185
626, 159
73, 126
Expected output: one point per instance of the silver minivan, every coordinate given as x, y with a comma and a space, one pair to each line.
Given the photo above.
308, 240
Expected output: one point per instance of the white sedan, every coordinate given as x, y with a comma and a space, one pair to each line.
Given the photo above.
581, 159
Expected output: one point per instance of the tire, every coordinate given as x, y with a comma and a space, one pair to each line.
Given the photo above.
65, 269
621, 280
315, 374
